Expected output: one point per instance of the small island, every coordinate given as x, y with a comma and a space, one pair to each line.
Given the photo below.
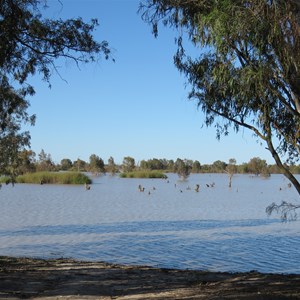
50, 178
144, 174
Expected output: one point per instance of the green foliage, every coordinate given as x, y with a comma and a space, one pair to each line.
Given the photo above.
196, 167
247, 70
154, 164
128, 164
257, 166
157, 164
52, 178
30, 44
96, 164
112, 167
80, 165
143, 174
6, 180
45, 162
183, 168
231, 168
66, 164
26, 162
219, 166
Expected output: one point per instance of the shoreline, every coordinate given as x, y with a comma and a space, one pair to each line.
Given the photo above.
65, 278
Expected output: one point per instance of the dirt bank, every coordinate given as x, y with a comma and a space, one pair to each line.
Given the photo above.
25, 278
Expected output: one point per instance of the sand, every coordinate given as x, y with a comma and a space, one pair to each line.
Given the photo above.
27, 278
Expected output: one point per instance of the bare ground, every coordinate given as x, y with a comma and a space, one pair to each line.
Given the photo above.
25, 278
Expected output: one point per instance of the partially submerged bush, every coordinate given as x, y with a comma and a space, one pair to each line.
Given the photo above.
143, 174
54, 178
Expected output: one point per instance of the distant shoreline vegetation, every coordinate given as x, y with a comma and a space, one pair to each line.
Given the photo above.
44, 170
144, 174
51, 178
29, 162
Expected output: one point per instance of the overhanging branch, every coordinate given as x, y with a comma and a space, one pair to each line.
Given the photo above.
243, 124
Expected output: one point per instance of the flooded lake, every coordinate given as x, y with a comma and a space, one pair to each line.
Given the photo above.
168, 225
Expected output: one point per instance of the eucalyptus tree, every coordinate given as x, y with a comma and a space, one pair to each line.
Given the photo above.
257, 166
44, 162
170, 165
112, 167
244, 70
26, 162
218, 166
66, 164
231, 169
128, 164
96, 164
144, 164
31, 44
196, 168
80, 165
182, 168
154, 164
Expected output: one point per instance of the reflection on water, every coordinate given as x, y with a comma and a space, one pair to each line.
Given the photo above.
169, 225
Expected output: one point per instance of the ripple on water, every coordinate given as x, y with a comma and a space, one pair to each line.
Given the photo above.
216, 229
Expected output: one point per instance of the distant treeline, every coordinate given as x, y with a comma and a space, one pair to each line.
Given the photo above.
29, 162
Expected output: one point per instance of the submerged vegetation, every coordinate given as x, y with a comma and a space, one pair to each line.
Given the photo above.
143, 174
52, 178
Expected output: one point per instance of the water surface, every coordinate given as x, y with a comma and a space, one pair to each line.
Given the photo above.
169, 225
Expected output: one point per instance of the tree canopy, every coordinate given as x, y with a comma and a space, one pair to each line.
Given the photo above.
246, 70
96, 164
31, 44
183, 168
128, 164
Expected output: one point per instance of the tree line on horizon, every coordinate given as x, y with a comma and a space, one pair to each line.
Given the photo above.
29, 162
244, 73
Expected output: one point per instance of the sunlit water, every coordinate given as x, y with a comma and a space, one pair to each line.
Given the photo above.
217, 229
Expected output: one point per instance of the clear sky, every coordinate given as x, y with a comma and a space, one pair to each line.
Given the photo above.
134, 107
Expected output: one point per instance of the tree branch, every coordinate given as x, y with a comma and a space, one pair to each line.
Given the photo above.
288, 210
243, 124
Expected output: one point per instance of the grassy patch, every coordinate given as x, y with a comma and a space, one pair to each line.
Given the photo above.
53, 178
143, 174
5, 180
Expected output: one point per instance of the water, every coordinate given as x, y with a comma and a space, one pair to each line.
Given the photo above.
169, 225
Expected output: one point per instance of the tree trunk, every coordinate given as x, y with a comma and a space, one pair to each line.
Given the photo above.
285, 170
230, 180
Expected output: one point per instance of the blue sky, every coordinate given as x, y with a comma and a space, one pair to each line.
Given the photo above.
134, 107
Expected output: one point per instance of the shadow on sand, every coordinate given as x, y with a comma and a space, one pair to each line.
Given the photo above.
23, 278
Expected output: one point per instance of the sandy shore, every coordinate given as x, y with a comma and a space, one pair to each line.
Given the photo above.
25, 278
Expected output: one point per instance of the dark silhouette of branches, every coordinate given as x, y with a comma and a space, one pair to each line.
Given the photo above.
286, 209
